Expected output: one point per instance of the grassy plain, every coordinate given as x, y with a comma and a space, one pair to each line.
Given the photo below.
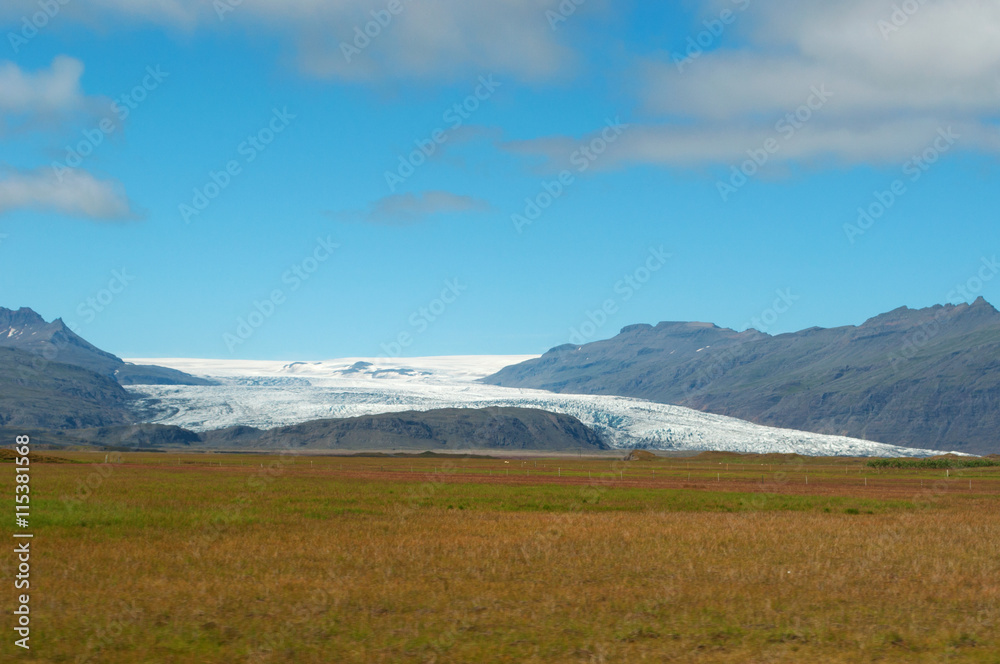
718, 558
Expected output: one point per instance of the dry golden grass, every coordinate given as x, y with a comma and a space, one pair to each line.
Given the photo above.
170, 558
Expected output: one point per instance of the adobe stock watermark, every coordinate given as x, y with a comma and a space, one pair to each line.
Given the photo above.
233, 510
454, 117
416, 495
975, 284
86, 486
249, 149
92, 306
306, 611
293, 278
719, 361
223, 7
31, 25
421, 319
913, 169
591, 494
714, 29
965, 292
121, 107
102, 299
363, 36
624, 289
129, 616
781, 305
786, 128
900, 16
562, 12
581, 159
89, 308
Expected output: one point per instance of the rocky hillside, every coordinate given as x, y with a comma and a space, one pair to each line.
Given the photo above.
37, 393
925, 378
25, 330
515, 429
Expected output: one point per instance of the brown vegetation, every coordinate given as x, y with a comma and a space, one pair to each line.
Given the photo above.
238, 558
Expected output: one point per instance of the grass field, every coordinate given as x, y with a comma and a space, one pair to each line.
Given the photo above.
718, 558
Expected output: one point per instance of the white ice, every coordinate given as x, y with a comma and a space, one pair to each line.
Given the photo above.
268, 394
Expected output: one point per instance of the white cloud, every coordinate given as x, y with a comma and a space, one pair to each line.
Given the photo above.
46, 99
945, 59
399, 209
100, 13
427, 39
434, 39
77, 194
47, 92
683, 146
894, 81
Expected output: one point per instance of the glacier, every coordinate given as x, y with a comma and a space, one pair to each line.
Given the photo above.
267, 394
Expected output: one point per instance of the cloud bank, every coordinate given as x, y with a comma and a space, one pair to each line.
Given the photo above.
890, 77
363, 40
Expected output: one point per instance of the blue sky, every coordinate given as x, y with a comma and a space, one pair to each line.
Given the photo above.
598, 171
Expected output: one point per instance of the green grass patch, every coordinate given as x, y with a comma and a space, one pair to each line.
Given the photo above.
936, 462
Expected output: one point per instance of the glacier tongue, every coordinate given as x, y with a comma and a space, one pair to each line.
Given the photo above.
268, 394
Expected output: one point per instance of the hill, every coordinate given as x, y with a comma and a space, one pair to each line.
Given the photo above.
433, 430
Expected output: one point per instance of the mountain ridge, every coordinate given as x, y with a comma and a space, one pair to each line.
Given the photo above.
915, 377
26, 330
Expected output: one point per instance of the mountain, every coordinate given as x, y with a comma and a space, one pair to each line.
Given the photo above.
440, 429
25, 330
37, 393
926, 378
520, 429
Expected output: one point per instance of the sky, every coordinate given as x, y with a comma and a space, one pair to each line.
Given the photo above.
300, 179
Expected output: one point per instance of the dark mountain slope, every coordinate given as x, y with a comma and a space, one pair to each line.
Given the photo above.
921, 378
37, 393
442, 429
434, 430
27, 331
